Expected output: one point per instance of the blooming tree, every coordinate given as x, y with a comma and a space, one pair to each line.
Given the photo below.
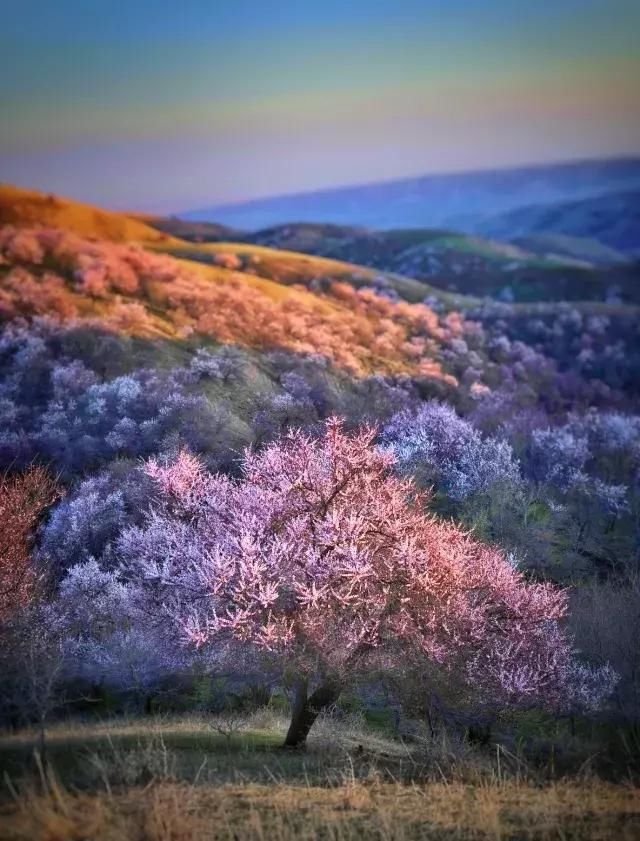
557, 456
106, 636
443, 449
320, 556
86, 523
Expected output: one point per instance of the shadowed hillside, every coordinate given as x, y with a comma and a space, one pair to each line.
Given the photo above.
581, 249
315, 272
612, 219
189, 231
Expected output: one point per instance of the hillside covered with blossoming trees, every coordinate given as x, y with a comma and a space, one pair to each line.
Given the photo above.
235, 476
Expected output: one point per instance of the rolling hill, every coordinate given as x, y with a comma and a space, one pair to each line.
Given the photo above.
314, 271
583, 250
458, 264
413, 264
190, 231
178, 296
142, 293
28, 208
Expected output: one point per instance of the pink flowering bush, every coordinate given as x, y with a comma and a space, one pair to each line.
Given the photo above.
321, 557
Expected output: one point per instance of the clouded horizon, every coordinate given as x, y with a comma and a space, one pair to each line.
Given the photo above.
166, 108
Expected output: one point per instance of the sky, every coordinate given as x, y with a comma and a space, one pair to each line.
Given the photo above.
167, 106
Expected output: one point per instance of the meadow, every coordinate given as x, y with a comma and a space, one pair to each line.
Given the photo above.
195, 777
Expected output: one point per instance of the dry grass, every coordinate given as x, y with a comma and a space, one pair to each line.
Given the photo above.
180, 780
61, 732
390, 811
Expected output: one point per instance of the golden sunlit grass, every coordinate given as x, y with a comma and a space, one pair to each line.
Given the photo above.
451, 812
272, 289
180, 779
296, 263
30, 207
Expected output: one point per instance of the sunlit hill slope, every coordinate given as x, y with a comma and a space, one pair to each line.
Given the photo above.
302, 304
31, 207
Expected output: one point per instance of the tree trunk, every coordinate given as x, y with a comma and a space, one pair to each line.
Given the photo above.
306, 708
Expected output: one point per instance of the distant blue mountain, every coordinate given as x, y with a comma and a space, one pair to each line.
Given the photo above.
464, 201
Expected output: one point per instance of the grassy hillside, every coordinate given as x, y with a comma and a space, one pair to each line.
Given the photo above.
190, 231
553, 269
312, 271
412, 264
203, 242
585, 251
29, 207
325, 238
265, 298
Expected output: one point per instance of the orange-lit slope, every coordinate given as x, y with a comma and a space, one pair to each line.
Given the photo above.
30, 207
46, 271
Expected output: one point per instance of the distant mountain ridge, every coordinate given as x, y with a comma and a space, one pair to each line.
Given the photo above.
462, 201
582, 249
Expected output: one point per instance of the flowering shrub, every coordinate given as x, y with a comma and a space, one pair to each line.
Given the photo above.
88, 521
598, 342
557, 456
107, 637
444, 450
59, 409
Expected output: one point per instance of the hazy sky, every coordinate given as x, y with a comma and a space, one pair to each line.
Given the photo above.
174, 105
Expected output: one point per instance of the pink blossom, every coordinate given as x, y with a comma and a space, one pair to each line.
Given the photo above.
320, 554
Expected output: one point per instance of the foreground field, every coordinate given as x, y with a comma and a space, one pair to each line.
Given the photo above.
227, 778
351, 811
